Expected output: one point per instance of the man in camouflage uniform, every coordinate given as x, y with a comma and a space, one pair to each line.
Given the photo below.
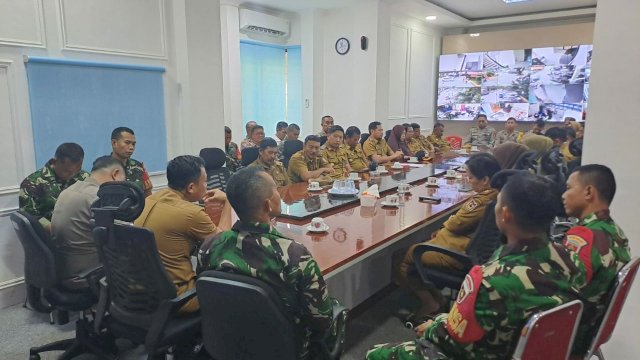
335, 152
481, 135
357, 160
231, 149
527, 275
123, 144
247, 142
40, 190
307, 164
326, 123
376, 149
267, 161
600, 243
509, 134
254, 248
440, 144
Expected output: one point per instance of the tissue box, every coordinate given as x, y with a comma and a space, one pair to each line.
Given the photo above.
368, 200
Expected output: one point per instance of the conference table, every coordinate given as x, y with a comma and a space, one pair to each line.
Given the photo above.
355, 253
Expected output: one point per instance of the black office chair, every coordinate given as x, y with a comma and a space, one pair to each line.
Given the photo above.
249, 155
137, 294
363, 138
291, 147
323, 139
46, 293
527, 161
232, 303
217, 176
386, 135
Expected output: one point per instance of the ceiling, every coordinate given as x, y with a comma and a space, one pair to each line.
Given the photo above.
486, 9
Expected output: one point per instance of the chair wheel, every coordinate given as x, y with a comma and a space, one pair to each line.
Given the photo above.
34, 357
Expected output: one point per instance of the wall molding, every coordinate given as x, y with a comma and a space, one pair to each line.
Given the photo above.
67, 46
41, 42
15, 128
407, 35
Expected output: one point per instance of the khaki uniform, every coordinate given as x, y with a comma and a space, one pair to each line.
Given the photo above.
503, 137
277, 171
357, 160
376, 147
479, 137
439, 143
426, 144
455, 234
322, 133
337, 158
415, 145
299, 162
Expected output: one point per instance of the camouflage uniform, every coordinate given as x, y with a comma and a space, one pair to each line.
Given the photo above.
477, 136
494, 303
258, 250
136, 173
247, 143
604, 250
299, 161
357, 160
337, 159
439, 143
503, 137
276, 171
40, 190
233, 160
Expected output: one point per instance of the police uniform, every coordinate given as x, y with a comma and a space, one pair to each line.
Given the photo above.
40, 190
495, 301
481, 137
233, 160
455, 234
137, 174
300, 162
260, 251
276, 171
337, 158
503, 137
376, 147
357, 160
604, 250
439, 143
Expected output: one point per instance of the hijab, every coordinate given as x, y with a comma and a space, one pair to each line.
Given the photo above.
508, 153
539, 143
395, 143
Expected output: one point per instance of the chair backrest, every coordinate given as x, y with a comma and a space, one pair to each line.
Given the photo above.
454, 141
622, 287
323, 139
363, 138
39, 251
243, 318
549, 334
527, 161
214, 158
249, 155
218, 178
290, 147
386, 135
487, 237
137, 279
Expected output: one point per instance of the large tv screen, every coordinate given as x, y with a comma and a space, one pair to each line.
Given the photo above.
544, 83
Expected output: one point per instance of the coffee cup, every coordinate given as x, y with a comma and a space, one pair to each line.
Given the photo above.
381, 169
451, 173
403, 188
314, 185
354, 176
397, 164
432, 180
392, 199
317, 223
413, 159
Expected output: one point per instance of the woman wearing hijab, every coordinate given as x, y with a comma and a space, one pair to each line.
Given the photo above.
539, 143
397, 141
508, 154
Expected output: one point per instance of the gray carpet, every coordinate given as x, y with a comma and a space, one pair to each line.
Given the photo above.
21, 328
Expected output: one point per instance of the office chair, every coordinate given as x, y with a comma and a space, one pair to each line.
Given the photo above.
217, 175
386, 135
137, 294
323, 139
46, 294
290, 147
527, 161
230, 303
249, 155
363, 138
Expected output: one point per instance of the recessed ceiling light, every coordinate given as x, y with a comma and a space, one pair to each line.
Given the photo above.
513, 1
431, 17
474, 34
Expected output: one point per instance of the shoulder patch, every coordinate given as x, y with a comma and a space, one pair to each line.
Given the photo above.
579, 239
472, 204
461, 322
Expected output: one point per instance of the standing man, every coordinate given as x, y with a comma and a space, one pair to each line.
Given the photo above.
267, 161
248, 128
598, 241
335, 153
441, 145
293, 132
509, 134
357, 160
481, 135
281, 132
178, 224
326, 122
376, 148
40, 190
123, 144
307, 164
71, 222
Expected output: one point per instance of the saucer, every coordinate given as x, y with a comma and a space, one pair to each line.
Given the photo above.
433, 185
413, 162
311, 189
353, 192
385, 203
397, 168
451, 177
310, 228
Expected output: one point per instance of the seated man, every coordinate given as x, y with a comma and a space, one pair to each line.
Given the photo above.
247, 142
454, 234
326, 122
598, 240
376, 149
178, 224
509, 134
71, 222
412, 139
293, 132
232, 151
257, 135
281, 132
527, 275
267, 161
481, 135
40, 190
357, 160
307, 164
123, 144
254, 248
335, 153
537, 128
441, 145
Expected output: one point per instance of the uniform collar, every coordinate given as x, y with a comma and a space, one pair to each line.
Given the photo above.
255, 228
510, 249
262, 163
49, 173
603, 214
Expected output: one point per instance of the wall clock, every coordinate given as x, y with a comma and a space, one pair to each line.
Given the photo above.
342, 46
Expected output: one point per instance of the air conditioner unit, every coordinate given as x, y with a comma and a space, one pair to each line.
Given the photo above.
253, 22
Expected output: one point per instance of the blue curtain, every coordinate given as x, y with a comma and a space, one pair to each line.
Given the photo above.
265, 79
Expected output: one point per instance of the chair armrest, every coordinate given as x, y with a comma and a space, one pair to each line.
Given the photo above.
92, 278
166, 309
462, 258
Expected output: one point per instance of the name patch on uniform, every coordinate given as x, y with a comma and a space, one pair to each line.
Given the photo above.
461, 322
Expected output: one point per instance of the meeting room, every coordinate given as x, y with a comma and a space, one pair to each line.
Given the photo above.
319, 179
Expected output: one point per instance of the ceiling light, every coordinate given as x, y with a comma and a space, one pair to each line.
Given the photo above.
513, 1
474, 34
431, 17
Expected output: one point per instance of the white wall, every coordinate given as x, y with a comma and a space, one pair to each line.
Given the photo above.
611, 132
183, 38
